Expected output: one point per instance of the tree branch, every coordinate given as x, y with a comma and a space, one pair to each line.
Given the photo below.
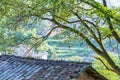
82, 21
116, 36
40, 41
93, 33
96, 27
107, 16
81, 35
67, 20
105, 64
104, 3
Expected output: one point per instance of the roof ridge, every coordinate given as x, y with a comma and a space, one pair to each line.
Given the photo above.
19, 58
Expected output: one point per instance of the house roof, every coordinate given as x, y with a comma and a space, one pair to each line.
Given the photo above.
18, 68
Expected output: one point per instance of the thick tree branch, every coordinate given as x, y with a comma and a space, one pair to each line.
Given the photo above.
105, 64
81, 35
114, 33
104, 3
86, 25
116, 36
101, 53
104, 54
90, 30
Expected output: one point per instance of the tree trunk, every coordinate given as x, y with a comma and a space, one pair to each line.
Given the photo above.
112, 63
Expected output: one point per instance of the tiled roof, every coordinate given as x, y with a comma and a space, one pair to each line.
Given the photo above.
18, 68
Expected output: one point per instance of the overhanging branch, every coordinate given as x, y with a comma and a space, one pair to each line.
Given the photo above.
81, 35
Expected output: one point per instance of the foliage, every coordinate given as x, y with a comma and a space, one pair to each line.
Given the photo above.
102, 69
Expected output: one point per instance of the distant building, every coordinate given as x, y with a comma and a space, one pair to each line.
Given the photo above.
40, 55
18, 68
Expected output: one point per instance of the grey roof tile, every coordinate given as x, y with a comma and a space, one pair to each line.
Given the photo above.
18, 68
